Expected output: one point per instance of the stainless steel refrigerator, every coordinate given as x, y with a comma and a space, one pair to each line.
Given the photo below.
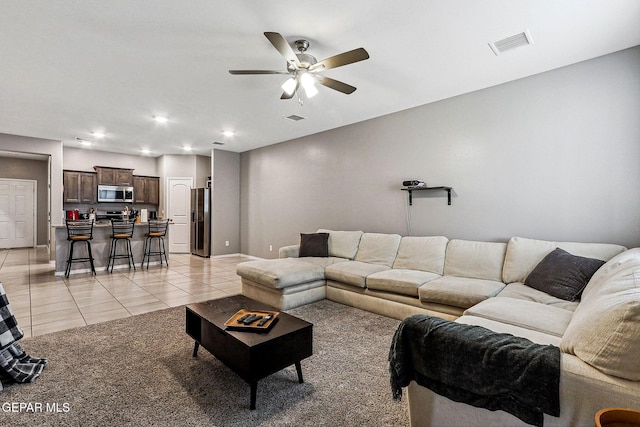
201, 222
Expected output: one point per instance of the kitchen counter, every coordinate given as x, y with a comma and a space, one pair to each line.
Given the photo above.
100, 247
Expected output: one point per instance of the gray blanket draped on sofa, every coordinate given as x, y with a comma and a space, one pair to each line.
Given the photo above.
477, 366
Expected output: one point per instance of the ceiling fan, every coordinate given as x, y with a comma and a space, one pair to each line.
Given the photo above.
304, 68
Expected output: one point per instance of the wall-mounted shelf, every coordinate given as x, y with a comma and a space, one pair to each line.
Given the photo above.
411, 190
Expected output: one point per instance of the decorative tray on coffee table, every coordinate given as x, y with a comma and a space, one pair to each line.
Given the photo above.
255, 326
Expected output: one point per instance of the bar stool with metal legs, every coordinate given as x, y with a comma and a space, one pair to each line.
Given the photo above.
157, 231
121, 231
79, 231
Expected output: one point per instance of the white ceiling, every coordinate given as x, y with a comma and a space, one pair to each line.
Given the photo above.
70, 67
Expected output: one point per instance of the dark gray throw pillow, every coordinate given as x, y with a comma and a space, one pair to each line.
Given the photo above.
563, 275
314, 244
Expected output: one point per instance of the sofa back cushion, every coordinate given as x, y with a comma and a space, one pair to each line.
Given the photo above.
377, 248
477, 260
422, 253
343, 244
605, 327
523, 255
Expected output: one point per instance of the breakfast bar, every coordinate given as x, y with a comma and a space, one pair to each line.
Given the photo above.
100, 246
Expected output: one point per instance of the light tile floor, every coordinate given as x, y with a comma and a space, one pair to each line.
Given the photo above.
43, 302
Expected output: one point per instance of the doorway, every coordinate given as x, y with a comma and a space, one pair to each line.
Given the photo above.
179, 209
17, 213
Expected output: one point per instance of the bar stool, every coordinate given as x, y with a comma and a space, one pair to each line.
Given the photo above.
157, 231
79, 231
121, 231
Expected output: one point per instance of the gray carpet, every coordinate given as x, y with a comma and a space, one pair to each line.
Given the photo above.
139, 372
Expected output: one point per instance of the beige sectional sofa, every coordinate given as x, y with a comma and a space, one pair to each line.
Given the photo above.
484, 284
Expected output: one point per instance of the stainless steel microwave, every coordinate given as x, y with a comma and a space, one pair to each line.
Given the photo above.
115, 193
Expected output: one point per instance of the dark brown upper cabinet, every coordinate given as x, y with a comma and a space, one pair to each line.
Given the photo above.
79, 187
114, 176
146, 189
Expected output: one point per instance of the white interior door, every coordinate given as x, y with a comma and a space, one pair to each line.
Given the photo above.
17, 211
179, 209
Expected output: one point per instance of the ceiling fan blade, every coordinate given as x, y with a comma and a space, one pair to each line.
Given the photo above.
336, 85
241, 72
345, 58
283, 47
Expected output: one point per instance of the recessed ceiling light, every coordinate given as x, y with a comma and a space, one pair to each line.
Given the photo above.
160, 119
145, 151
98, 134
228, 133
186, 148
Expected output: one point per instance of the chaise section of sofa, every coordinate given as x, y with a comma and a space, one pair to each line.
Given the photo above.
291, 281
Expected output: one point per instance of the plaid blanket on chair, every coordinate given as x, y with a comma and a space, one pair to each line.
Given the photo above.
15, 364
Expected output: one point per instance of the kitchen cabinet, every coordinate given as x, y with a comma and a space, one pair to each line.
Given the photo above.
153, 190
79, 187
146, 189
114, 176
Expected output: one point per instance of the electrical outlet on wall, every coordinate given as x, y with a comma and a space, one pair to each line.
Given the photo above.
226, 243
270, 248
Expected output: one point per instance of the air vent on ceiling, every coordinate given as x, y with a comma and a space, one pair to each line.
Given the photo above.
512, 42
83, 140
295, 118
218, 143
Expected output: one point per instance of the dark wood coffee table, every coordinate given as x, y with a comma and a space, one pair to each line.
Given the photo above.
251, 355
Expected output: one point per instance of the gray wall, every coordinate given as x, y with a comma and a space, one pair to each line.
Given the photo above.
553, 156
36, 170
81, 159
226, 203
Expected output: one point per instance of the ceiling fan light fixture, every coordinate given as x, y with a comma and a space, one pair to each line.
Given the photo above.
308, 83
289, 86
310, 91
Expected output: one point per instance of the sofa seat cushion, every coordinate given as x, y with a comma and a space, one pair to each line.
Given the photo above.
352, 272
322, 261
280, 273
458, 291
505, 328
524, 292
400, 281
525, 314
605, 327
